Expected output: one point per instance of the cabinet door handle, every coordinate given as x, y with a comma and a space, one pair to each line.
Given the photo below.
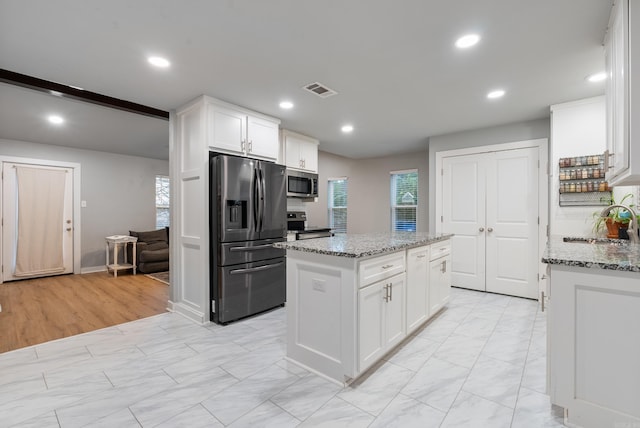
444, 266
607, 163
387, 266
481, 229
490, 229
391, 291
250, 145
386, 293
242, 144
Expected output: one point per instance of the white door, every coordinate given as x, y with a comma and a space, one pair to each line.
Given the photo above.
463, 214
490, 202
37, 238
512, 223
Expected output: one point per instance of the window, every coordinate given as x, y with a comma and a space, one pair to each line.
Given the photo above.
162, 201
404, 200
337, 201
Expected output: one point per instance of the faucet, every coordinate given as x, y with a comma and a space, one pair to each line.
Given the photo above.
632, 231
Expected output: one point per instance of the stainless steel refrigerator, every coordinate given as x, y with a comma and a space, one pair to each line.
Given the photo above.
248, 207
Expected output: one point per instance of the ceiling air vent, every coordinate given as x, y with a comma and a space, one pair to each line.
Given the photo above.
319, 89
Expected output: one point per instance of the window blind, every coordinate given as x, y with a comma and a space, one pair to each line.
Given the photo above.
162, 201
337, 204
404, 200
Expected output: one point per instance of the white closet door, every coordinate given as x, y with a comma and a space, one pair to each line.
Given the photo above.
463, 214
512, 222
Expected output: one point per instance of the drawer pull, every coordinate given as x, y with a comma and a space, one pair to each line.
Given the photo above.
387, 266
422, 256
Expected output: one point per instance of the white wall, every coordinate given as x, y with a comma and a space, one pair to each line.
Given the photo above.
369, 181
119, 190
577, 128
520, 131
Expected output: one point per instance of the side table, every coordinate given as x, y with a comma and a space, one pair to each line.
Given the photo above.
116, 241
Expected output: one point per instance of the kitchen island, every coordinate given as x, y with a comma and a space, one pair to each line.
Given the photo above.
351, 298
594, 330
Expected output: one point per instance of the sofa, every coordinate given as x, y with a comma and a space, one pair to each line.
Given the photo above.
152, 252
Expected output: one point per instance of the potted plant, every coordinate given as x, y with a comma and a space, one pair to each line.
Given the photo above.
617, 219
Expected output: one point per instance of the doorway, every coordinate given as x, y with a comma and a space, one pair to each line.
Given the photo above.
40, 218
493, 199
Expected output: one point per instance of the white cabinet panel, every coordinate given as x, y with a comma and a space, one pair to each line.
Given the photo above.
622, 61
371, 303
381, 319
227, 129
395, 313
594, 345
262, 138
417, 287
300, 151
236, 131
381, 267
439, 283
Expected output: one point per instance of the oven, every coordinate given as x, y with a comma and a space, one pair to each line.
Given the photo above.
298, 229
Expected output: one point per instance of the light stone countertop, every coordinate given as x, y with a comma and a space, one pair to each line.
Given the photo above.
613, 254
363, 245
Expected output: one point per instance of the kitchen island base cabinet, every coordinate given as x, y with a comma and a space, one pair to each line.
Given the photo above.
344, 313
594, 346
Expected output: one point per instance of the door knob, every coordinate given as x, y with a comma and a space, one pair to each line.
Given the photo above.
490, 229
481, 229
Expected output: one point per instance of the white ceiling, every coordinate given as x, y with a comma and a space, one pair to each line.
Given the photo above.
398, 77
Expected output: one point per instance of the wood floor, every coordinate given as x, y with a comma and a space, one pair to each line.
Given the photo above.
38, 310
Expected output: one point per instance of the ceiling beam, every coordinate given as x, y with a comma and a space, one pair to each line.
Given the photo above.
66, 91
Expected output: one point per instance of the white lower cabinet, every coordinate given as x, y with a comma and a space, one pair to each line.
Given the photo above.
594, 346
381, 319
417, 287
439, 283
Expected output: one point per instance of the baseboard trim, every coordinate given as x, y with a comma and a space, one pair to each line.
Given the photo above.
93, 269
187, 312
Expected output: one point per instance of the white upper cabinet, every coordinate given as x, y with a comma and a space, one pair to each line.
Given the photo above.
241, 132
623, 96
299, 151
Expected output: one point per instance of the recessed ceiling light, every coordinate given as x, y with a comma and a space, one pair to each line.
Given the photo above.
495, 94
347, 129
467, 41
159, 61
597, 77
56, 120
286, 105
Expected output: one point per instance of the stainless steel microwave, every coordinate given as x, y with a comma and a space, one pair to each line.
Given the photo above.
302, 184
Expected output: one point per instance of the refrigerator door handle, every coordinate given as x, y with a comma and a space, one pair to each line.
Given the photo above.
255, 248
262, 207
255, 269
256, 201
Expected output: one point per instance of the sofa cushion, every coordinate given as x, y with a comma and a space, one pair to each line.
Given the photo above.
159, 235
154, 255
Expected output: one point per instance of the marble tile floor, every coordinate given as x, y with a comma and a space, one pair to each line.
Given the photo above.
479, 363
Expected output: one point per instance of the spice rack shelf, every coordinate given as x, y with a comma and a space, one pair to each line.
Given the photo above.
582, 181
